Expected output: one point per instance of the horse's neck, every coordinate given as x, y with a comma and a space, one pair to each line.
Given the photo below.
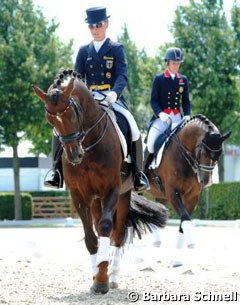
91, 111
190, 136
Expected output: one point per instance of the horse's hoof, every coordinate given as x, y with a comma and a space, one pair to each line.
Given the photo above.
113, 285
99, 288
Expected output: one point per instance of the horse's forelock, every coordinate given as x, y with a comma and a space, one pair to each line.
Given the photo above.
54, 94
213, 139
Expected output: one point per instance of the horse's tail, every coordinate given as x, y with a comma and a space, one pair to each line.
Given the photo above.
143, 213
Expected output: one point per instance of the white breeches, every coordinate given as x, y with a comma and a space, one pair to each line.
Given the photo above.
129, 117
158, 127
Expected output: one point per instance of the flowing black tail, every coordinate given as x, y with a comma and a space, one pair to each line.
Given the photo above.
143, 213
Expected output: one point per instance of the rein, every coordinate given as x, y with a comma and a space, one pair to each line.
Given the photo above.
79, 135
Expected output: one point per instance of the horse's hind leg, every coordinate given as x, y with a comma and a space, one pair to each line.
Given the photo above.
118, 238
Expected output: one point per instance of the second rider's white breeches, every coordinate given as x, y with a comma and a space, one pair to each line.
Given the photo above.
158, 127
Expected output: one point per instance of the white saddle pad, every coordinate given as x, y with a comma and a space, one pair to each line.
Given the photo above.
157, 160
126, 157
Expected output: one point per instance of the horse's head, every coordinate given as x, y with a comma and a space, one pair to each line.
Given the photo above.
64, 114
209, 151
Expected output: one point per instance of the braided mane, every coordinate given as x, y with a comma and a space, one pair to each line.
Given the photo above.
55, 89
204, 123
64, 75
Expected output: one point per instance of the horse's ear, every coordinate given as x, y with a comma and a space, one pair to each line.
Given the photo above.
226, 135
40, 93
68, 90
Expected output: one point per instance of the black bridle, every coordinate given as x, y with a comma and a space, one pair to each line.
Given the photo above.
193, 161
81, 134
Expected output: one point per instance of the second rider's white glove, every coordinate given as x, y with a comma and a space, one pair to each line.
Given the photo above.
186, 118
163, 116
111, 97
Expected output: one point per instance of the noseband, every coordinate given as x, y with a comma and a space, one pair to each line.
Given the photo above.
202, 167
81, 134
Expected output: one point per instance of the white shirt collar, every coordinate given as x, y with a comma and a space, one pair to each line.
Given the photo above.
98, 44
172, 75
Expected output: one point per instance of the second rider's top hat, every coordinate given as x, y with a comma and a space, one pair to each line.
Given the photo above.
96, 15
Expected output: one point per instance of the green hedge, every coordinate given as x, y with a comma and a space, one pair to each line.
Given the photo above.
219, 202
7, 206
7, 203
51, 193
222, 201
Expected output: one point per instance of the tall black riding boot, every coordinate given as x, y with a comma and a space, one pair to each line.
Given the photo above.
57, 177
140, 180
148, 157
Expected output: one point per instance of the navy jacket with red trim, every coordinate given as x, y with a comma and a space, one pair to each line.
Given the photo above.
170, 94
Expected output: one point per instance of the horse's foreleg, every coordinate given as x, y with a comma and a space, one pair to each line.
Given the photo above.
96, 212
91, 240
186, 224
118, 238
185, 233
105, 226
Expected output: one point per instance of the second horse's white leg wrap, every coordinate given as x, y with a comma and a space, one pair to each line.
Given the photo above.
103, 250
188, 233
177, 259
156, 239
179, 240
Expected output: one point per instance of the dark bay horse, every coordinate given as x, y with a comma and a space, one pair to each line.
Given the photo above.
92, 166
186, 168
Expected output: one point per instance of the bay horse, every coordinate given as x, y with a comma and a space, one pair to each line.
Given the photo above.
100, 183
186, 167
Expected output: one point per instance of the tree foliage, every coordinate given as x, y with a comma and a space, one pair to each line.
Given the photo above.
211, 46
141, 69
30, 53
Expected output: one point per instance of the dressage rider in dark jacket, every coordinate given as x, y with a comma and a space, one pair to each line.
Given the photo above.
102, 65
169, 97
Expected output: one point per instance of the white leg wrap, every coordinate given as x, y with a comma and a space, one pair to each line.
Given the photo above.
114, 268
179, 240
177, 258
188, 233
103, 250
156, 239
93, 258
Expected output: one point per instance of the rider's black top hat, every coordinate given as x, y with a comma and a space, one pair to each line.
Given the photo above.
96, 14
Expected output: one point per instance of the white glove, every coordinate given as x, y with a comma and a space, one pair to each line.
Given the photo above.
186, 118
111, 97
163, 116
